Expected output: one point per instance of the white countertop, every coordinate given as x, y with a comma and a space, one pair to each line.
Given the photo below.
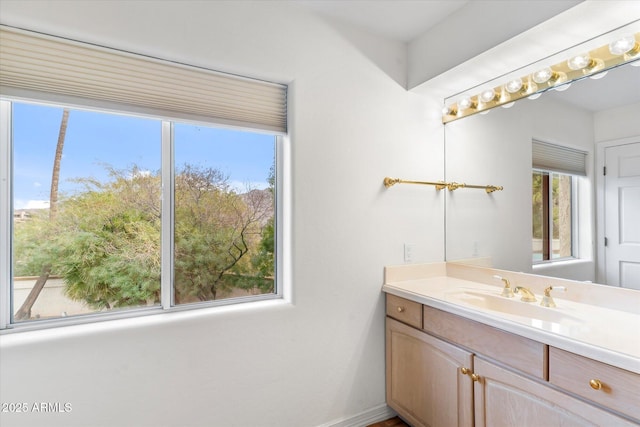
600, 333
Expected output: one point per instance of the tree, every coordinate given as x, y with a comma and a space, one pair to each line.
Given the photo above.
55, 176
106, 241
215, 228
24, 312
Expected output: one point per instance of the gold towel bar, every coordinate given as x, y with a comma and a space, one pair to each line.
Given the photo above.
388, 182
440, 185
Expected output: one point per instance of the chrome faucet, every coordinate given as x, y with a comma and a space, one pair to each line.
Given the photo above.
527, 295
547, 301
506, 291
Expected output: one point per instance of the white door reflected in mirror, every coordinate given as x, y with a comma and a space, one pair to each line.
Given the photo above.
622, 215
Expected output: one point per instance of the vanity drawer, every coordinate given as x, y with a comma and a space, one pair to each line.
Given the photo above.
619, 389
518, 352
404, 310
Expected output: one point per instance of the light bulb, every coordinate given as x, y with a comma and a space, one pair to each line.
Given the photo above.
562, 88
488, 95
513, 86
509, 105
465, 103
623, 45
579, 62
535, 96
543, 75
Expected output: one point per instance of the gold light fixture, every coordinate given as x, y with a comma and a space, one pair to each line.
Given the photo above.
593, 64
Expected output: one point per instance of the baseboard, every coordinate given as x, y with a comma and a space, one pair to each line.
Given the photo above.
370, 416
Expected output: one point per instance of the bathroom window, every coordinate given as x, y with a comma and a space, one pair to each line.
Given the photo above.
89, 231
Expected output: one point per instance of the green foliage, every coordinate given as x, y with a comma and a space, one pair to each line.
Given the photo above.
263, 261
105, 241
560, 190
215, 230
32, 245
537, 201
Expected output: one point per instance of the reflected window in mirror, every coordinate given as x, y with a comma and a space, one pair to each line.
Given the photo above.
556, 172
553, 216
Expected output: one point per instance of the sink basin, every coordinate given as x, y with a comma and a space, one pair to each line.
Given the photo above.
511, 306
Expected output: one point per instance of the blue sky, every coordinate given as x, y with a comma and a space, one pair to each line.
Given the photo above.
94, 140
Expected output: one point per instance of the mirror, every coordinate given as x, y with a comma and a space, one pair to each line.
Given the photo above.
496, 148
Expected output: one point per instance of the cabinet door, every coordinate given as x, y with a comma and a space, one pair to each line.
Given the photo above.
503, 398
424, 382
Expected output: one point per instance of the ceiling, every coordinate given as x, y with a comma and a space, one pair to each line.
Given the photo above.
405, 20
399, 20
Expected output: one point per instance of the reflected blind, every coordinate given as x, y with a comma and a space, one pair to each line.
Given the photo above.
35, 62
557, 158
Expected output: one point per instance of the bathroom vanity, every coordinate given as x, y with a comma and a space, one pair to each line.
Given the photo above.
459, 353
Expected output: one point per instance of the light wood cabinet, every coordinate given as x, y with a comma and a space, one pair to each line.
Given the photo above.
603, 384
424, 382
409, 312
451, 371
505, 398
521, 353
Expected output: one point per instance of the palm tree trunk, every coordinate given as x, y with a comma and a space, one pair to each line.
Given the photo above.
24, 312
55, 177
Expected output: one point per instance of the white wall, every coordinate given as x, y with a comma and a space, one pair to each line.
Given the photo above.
319, 358
617, 123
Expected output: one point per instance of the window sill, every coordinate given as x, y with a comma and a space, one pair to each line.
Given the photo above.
579, 268
28, 333
561, 261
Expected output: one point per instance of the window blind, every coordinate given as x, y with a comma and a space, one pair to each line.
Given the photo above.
557, 158
35, 62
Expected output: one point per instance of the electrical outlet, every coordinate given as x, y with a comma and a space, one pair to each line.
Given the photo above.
409, 250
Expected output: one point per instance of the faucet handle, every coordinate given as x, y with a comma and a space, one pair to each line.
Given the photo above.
547, 300
547, 291
507, 292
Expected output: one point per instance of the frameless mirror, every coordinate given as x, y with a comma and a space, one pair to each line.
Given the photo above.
599, 117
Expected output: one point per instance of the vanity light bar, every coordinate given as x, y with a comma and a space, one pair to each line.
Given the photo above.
594, 64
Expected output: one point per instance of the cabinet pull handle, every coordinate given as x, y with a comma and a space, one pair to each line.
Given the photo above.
595, 384
467, 371
400, 309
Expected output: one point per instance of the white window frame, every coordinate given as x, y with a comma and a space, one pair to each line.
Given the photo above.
282, 287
